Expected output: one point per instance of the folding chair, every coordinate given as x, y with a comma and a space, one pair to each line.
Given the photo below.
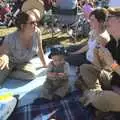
13, 16
66, 17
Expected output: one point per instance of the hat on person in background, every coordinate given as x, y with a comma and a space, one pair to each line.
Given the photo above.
35, 6
114, 12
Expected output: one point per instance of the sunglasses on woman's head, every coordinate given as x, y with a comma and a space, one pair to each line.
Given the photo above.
110, 16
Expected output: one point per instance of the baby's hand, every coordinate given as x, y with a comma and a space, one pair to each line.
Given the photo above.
61, 74
52, 75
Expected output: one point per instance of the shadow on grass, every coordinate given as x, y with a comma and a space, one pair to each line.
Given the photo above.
53, 40
48, 42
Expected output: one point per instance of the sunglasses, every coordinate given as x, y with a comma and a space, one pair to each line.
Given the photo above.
33, 22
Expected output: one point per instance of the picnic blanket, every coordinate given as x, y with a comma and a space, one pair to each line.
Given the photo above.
68, 108
28, 91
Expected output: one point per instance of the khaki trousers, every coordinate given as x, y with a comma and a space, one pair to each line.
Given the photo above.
51, 88
93, 78
20, 71
94, 81
105, 101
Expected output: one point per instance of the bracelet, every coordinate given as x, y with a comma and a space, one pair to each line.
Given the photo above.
114, 65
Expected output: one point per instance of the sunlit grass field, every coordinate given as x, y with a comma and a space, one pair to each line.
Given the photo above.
6, 31
48, 39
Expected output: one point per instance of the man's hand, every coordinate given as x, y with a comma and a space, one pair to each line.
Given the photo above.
4, 61
106, 56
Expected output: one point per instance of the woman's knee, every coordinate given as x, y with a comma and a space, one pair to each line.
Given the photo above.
3, 75
22, 75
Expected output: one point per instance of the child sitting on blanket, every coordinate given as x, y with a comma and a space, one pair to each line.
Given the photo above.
56, 84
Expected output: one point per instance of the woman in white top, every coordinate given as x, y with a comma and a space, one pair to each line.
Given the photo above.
98, 35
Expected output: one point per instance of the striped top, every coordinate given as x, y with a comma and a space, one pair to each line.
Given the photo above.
17, 53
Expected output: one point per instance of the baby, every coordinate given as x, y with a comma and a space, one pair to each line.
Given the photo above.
56, 85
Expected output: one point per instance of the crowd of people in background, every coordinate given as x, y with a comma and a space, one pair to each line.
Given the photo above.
9, 7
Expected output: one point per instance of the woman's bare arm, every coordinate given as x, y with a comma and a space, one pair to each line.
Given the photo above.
40, 52
82, 50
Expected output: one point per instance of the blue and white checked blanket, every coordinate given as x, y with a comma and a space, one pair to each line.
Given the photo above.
68, 108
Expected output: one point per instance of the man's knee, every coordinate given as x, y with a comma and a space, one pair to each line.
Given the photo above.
106, 101
90, 76
83, 70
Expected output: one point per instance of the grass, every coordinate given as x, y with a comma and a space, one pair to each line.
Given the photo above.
48, 40
6, 31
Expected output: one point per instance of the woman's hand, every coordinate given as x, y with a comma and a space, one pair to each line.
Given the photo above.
4, 61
